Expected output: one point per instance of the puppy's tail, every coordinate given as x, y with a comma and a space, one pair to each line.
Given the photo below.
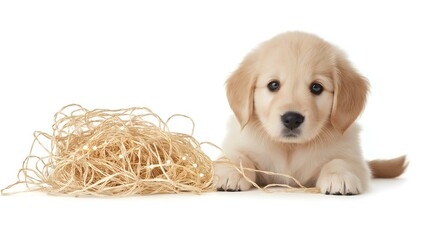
388, 168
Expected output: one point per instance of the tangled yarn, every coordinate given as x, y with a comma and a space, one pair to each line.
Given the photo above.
115, 153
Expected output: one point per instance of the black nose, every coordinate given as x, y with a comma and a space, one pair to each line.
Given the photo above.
292, 120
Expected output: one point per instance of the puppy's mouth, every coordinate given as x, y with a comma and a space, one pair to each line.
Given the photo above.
295, 133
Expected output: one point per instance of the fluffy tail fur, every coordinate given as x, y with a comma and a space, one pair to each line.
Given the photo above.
388, 168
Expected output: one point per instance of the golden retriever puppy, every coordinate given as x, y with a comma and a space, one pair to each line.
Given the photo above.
295, 99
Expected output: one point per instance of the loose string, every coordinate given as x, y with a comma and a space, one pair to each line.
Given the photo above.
269, 188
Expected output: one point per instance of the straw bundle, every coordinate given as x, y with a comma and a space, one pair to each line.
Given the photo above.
115, 153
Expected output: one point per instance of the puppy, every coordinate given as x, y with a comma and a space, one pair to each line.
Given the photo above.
295, 99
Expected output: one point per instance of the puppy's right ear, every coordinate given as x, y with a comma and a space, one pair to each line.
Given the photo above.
240, 88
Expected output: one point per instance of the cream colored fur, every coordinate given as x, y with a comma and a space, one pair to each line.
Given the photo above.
326, 153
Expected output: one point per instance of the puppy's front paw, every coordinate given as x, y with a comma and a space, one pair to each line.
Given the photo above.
229, 179
339, 184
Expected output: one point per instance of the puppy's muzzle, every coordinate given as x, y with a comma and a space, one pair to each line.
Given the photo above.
292, 120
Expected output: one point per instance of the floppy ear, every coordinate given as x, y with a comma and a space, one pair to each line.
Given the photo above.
350, 90
240, 88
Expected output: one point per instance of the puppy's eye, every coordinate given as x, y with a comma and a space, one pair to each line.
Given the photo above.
274, 85
316, 88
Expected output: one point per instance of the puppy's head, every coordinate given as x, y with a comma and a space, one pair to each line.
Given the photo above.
296, 86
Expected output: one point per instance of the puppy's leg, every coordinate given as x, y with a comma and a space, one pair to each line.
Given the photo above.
229, 179
341, 177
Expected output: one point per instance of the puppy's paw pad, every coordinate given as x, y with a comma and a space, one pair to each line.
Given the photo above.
340, 184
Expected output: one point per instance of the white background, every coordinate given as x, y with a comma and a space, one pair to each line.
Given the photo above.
174, 57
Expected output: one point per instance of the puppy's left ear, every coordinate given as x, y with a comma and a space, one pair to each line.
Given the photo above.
350, 91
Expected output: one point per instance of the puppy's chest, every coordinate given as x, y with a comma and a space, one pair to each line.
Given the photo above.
302, 164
